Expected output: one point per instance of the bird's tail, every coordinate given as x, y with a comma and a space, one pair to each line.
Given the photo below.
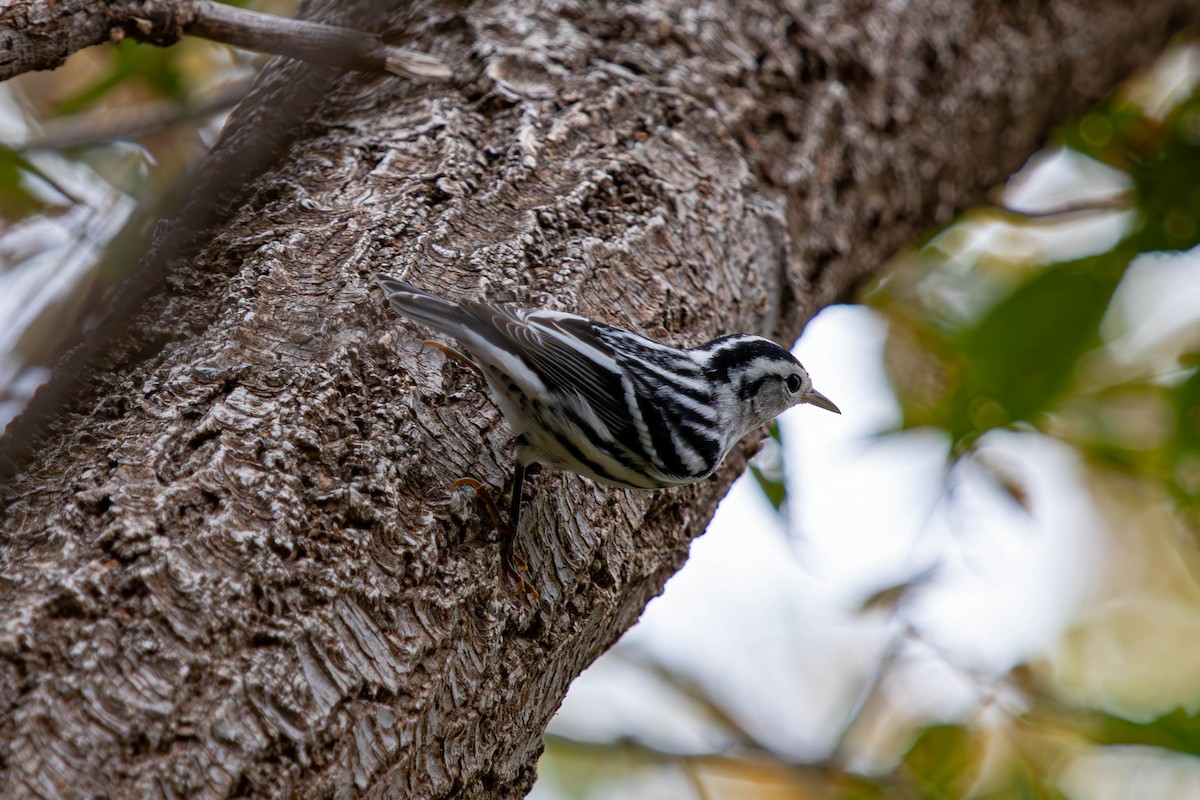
420, 306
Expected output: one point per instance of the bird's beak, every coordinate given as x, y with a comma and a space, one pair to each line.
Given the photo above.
815, 398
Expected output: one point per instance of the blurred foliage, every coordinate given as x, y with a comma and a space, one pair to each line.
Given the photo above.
17, 201
151, 71
1021, 360
1011, 363
977, 345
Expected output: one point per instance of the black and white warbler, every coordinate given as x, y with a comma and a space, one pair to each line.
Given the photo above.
607, 403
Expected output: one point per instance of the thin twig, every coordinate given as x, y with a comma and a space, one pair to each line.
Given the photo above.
311, 41
636, 747
689, 688
131, 122
866, 695
1117, 202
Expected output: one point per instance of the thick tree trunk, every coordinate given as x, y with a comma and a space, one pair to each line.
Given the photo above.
231, 563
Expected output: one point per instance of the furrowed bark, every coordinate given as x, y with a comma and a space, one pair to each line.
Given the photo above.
36, 34
230, 562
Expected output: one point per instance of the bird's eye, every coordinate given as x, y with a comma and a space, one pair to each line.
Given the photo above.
793, 383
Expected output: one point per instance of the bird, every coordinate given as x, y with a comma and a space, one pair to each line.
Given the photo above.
604, 402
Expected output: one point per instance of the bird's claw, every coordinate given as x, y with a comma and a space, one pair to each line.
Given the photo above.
513, 564
454, 355
485, 497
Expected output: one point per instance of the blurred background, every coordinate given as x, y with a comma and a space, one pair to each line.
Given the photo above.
981, 580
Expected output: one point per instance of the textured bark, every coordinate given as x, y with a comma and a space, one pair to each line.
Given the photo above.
230, 562
40, 34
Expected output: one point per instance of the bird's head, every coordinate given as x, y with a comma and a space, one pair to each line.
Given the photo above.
762, 378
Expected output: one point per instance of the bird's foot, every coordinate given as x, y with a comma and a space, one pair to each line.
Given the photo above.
454, 355
514, 566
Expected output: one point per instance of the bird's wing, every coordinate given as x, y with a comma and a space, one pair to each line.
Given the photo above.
676, 402
565, 354
654, 400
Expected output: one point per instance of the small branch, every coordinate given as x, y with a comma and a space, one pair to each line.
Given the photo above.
32, 38
129, 123
743, 757
688, 688
1118, 202
762, 768
866, 696
311, 41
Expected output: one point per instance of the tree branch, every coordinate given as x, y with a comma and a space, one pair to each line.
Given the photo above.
1124, 201
36, 35
311, 41
230, 562
89, 128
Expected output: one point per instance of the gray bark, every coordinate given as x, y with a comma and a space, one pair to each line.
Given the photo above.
36, 34
231, 564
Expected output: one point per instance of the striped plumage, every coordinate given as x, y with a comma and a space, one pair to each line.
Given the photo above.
611, 404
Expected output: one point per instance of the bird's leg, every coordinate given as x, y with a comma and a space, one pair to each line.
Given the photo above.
484, 497
454, 355
513, 564
508, 547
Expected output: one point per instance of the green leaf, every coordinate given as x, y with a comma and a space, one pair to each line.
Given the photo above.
892, 595
1178, 731
943, 761
1184, 456
154, 67
16, 201
1021, 355
1168, 184
1112, 134
768, 469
